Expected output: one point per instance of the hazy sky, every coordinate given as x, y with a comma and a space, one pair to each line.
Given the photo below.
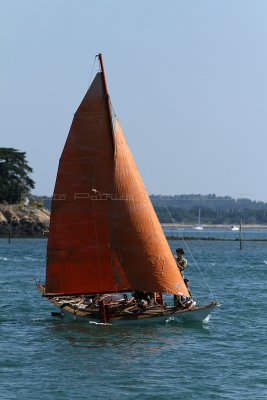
188, 81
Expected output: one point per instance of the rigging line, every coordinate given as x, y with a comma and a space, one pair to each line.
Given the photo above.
195, 262
39, 275
92, 70
42, 271
114, 115
113, 109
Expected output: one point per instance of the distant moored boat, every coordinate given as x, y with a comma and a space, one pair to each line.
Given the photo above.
234, 228
198, 227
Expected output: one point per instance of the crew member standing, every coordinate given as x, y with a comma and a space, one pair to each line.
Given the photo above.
181, 261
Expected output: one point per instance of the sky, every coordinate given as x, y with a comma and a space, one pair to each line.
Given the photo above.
187, 79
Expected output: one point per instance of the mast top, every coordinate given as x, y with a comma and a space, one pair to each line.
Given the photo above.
103, 72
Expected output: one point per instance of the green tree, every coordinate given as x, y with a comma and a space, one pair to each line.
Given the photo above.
14, 179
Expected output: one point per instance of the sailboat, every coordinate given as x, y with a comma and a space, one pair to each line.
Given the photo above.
234, 228
105, 240
199, 227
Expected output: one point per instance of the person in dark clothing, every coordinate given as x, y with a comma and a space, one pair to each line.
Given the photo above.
180, 260
186, 282
144, 298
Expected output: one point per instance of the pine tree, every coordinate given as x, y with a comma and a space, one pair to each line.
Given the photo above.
14, 179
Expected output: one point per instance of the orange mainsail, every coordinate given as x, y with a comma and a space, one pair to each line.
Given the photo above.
79, 257
104, 234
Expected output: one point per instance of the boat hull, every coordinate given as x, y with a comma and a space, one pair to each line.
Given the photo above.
154, 314
197, 314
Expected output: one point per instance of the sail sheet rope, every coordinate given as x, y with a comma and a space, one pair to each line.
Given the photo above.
40, 273
188, 249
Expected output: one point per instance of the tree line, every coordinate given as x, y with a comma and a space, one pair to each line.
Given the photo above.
189, 201
14, 175
210, 215
16, 182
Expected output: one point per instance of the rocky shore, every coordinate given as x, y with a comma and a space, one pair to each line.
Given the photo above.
20, 221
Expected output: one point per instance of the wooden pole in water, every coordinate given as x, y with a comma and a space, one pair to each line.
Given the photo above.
240, 234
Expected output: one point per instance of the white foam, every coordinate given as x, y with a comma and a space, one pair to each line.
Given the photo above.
206, 320
38, 319
170, 320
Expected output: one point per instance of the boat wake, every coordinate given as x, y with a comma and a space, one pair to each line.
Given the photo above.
39, 319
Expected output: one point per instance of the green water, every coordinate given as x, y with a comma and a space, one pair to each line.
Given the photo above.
46, 358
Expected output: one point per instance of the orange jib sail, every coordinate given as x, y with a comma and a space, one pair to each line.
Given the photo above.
137, 234
104, 234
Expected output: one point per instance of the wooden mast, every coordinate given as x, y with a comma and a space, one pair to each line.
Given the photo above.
103, 309
107, 98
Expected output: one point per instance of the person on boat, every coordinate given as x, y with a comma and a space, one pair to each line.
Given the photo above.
181, 301
144, 298
186, 282
153, 297
184, 301
180, 260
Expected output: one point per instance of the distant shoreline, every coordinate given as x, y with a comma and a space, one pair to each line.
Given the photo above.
207, 226
21, 221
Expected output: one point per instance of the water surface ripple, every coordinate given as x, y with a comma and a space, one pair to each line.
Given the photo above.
46, 358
